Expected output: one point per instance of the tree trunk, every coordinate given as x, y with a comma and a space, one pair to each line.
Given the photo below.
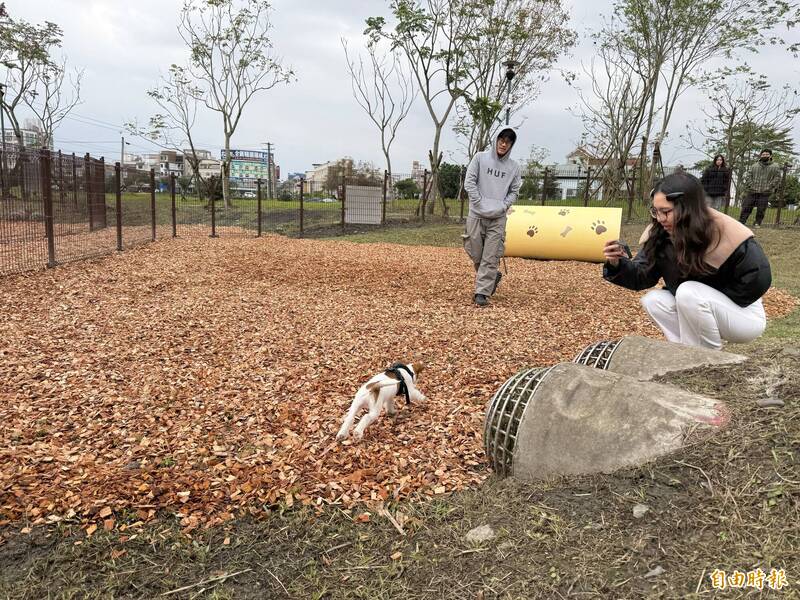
434, 180
390, 187
226, 173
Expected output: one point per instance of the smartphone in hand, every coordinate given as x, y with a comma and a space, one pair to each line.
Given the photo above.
625, 248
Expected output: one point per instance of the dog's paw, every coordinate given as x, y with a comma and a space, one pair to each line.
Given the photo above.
423, 398
341, 436
358, 435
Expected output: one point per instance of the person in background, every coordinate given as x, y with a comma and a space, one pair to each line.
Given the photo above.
716, 180
714, 270
761, 181
492, 183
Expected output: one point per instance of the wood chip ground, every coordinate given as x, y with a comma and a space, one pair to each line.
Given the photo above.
208, 377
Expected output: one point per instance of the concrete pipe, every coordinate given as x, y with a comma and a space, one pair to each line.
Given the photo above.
644, 358
572, 419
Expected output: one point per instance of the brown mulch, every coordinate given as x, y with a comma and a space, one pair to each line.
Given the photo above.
208, 377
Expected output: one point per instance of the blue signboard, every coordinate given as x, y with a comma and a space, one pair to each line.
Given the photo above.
246, 155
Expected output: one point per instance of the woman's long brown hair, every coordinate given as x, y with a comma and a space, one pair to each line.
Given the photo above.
693, 233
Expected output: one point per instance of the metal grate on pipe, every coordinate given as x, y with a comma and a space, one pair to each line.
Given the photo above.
505, 412
597, 355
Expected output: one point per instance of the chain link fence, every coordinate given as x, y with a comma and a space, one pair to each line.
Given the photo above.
56, 207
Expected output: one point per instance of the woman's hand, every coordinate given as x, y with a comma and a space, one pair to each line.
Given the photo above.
613, 252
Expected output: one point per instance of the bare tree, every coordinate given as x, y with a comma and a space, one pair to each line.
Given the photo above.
232, 59
744, 113
177, 96
532, 33
429, 36
667, 42
24, 51
48, 99
613, 112
384, 90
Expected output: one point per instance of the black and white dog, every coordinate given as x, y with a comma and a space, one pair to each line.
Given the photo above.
379, 392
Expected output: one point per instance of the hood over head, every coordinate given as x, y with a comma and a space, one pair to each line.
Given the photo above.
508, 133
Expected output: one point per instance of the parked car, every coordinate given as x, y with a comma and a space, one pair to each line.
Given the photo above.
329, 200
248, 195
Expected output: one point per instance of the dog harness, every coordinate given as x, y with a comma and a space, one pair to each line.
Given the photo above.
402, 389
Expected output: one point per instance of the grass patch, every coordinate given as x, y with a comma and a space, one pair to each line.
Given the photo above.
411, 234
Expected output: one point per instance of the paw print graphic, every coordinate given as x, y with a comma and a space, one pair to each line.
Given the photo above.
599, 227
532, 230
563, 212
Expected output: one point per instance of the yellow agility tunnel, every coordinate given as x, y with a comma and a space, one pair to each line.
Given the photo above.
561, 232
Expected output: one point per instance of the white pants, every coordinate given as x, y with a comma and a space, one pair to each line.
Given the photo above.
699, 315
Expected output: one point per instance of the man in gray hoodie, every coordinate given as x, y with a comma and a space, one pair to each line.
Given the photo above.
492, 183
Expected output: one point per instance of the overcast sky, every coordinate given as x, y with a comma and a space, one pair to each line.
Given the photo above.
124, 46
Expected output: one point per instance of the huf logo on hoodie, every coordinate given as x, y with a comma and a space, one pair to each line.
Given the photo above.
495, 172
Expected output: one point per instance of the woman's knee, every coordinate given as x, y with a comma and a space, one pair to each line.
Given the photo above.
657, 300
690, 294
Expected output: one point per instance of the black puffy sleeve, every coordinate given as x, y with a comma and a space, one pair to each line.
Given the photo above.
632, 274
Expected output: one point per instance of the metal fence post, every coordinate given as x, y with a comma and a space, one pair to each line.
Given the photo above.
344, 198
61, 178
22, 158
586, 187
87, 167
100, 181
47, 200
74, 183
174, 208
118, 191
383, 205
781, 195
258, 196
544, 185
424, 192
631, 194
302, 186
213, 216
153, 201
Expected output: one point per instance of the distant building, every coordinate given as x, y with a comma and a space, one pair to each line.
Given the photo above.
151, 161
209, 167
201, 154
170, 163
418, 174
248, 166
581, 167
32, 137
324, 176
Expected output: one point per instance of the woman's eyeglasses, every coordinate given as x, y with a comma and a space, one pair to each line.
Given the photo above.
663, 212
660, 212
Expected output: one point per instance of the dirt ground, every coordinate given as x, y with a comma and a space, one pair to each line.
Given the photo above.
119, 374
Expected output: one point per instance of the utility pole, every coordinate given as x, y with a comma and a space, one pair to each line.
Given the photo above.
122, 155
269, 169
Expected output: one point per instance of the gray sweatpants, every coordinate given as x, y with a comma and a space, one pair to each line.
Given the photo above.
484, 242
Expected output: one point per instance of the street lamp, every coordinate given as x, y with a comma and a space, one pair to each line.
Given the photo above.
510, 64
